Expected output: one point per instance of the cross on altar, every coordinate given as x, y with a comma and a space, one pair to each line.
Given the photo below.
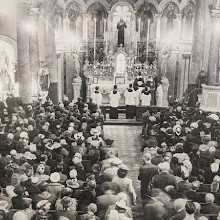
121, 45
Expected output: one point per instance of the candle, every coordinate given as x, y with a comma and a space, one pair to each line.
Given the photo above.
95, 40
86, 36
104, 29
148, 32
139, 29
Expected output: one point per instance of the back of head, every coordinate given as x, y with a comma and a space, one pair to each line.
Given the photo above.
190, 208
164, 167
147, 157
179, 204
209, 198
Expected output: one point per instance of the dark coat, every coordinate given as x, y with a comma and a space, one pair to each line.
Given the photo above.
210, 208
146, 174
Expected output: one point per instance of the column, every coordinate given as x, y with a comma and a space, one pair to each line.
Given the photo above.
198, 40
34, 51
85, 26
179, 26
158, 30
25, 77
50, 51
60, 73
213, 68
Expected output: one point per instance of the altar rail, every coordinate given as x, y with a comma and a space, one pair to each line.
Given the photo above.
139, 110
210, 99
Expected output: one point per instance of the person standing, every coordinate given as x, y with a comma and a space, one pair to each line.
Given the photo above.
130, 102
159, 94
114, 103
97, 97
146, 173
145, 97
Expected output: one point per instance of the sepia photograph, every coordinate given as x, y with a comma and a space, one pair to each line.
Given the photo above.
109, 109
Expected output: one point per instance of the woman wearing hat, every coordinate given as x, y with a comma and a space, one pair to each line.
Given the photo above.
125, 184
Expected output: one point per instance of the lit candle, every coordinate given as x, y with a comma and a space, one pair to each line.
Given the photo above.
95, 40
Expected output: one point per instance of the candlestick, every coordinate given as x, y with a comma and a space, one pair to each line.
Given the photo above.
95, 41
86, 36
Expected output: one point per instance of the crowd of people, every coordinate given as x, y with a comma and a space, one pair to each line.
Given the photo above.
180, 176
55, 163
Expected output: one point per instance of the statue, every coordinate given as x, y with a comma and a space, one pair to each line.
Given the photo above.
76, 64
163, 62
121, 26
43, 81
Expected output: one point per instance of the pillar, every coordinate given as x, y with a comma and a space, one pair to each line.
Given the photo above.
213, 67
198, 45
77, 84
50, 50
158, 30
24, 73
165, 86
179, 26
60, 73
34, 52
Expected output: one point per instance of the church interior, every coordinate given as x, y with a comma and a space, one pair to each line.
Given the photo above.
110, 109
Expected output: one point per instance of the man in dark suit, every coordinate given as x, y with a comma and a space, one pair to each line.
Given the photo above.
210, 207
193, 195
146, 172
164, 178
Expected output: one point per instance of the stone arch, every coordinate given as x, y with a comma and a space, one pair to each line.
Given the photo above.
8, 59
102, 2
163, 4
184, 3
121, 3
81, 3
141, 2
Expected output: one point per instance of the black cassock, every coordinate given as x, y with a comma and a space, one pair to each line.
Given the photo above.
121, 26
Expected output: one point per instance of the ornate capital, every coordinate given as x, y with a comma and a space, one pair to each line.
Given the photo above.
179, 16
158, 16
215, 13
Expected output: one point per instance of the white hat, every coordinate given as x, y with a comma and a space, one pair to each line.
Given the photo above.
34, 179
10, 136
73, 173
121, 204
55, 177
123, 167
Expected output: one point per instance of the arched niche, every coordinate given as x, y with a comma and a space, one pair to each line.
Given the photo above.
74, 13
169, 22
96, 12
188, 13
8, 60
120, 63
125, 11
145, 12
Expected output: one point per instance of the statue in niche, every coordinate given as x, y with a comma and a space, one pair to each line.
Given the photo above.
146, 15
171, 15
121, 26
97, 13
73, 15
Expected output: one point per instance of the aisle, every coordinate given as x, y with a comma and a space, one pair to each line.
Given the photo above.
127, 140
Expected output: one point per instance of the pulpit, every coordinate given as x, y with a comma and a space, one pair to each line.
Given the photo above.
210, 100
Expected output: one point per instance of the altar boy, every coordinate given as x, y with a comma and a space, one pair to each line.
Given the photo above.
97, 97
130, 102
114, 102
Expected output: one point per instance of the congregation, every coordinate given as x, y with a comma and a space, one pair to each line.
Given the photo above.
57, 164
